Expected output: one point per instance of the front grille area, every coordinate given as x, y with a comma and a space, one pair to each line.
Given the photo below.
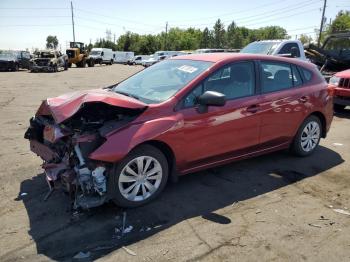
344, 83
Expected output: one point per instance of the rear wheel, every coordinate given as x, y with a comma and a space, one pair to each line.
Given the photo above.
139, 177
308, 137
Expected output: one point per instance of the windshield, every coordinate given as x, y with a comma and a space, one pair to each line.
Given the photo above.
7, 55
265, 48
44, 55
338, 47
161, 81
95, 53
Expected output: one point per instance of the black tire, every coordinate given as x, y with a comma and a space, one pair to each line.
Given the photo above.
69, 64
338, 107
66, 66
55, 68
296, 146
113, 185
91, 63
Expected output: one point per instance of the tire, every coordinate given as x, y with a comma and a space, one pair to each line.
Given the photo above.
111, 62
55, 68
115, 186
69, 64
16, 67
91, 63
66, 66
338, 107
300, 145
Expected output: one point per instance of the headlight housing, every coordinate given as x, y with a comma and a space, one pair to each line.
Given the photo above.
334, 80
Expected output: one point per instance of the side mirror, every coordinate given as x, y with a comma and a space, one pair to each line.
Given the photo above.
294, 52
210, 98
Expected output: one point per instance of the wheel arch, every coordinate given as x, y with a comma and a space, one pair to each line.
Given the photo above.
168, 153
322, 118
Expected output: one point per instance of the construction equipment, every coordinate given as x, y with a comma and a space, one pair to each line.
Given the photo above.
79, 55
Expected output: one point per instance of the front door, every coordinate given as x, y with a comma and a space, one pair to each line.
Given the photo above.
222, 132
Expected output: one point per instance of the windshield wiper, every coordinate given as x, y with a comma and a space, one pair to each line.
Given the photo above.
127, 94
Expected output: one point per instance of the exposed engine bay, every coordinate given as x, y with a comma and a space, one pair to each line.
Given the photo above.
65, 148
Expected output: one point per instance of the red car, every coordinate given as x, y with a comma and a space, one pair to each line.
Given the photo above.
340, 82
182, 115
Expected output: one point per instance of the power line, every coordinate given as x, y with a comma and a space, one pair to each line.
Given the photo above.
289, 8
115, 18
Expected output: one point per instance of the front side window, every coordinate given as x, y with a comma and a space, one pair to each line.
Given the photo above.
277, 76
234, 81
162, 80
287, 49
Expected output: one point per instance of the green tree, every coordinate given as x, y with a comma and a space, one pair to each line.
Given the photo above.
305, 39
341, 22
51, 42
219, 34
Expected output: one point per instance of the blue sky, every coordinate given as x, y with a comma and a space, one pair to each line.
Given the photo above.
27, 23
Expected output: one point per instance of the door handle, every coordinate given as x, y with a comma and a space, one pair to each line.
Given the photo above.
253, 108
303, 99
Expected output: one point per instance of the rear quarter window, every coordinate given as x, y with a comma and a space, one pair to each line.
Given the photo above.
307, 74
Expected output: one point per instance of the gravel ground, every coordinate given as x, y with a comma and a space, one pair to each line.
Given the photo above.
271, 208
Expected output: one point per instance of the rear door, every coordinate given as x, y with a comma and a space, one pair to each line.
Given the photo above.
282, 104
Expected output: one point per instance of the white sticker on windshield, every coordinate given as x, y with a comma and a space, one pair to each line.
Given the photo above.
188, 69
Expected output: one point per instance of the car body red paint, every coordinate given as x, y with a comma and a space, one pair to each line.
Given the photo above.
341, 88
227, 133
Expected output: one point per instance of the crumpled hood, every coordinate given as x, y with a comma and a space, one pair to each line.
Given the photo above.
65, 106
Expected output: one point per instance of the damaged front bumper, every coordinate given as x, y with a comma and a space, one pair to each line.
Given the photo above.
36, 68
65, 162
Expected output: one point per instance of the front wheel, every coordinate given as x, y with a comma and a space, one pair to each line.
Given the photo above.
139, 177
308, 137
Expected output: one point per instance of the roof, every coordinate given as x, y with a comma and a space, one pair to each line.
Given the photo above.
218, 57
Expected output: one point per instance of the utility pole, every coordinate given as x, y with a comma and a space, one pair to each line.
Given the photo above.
166, 36
322, 21
71, 8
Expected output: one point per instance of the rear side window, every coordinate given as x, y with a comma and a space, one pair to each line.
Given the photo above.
276, 76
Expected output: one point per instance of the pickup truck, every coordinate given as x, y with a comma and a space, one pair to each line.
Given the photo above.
286, 48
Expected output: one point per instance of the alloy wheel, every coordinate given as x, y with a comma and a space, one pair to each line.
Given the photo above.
310, 136
140, 178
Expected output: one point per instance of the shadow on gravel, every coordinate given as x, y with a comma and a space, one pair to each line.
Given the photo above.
59, 235
344, 113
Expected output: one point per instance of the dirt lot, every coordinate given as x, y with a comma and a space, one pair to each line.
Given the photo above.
271, 208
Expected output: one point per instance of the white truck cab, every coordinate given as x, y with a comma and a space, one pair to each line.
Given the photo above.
287, 48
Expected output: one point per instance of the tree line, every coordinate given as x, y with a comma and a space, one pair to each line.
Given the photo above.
231, 37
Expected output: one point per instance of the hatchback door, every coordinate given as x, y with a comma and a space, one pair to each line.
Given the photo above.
283, 104
227, 131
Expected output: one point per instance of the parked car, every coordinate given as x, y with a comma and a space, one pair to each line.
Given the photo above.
159, 56
9, 61
140, 58
286, 48
340, 83
179, 116
48, 61
102, 55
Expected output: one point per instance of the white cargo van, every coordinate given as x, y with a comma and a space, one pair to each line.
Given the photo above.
123, 57
102, 56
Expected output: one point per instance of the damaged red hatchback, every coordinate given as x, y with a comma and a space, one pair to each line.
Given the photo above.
185, 114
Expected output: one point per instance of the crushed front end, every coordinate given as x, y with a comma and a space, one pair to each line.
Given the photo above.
65, 148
